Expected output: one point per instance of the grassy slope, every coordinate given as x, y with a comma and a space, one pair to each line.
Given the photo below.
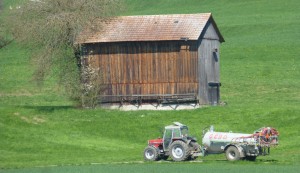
161, 168
259, 73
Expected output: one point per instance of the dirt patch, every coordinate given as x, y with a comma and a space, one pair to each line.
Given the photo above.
38, 120
33, 120
17, 94
16, 113
27, 120
30, 120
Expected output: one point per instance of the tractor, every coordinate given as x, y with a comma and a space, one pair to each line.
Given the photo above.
175, 143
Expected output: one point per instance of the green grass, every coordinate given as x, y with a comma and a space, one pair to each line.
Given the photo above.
260, 75
162, 168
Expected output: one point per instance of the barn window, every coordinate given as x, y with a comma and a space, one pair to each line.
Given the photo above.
215, 55
185, 47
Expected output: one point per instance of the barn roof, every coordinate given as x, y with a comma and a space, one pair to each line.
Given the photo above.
151, 28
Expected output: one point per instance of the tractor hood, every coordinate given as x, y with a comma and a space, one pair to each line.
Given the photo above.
155, 142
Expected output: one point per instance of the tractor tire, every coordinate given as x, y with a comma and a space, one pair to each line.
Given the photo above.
232, 153
179, 151
151, 153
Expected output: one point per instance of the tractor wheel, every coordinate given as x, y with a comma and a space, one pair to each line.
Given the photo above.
179, 151
151, 153
251, 158
232, 154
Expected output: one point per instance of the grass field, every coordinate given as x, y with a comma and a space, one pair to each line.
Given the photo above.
162, 168
260, 75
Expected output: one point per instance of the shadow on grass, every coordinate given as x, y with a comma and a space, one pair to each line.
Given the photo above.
243, 161
48, 108
266, 161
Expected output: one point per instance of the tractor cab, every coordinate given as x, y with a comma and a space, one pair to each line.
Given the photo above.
174, 132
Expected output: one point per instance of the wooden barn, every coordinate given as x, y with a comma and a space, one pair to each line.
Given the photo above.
157, 58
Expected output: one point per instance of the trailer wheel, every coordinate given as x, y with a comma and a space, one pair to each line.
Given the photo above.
179, 151
232, 153
151, 153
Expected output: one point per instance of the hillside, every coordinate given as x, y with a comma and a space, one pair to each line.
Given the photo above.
260, 75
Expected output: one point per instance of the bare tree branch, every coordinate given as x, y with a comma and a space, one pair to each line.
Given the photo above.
50, 27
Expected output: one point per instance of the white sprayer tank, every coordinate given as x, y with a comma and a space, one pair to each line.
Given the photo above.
215, 142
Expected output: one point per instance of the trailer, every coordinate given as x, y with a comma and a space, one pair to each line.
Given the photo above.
238, 146
177, 144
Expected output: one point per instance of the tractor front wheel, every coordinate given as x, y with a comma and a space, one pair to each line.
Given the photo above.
179, 151
151, 153
232, 153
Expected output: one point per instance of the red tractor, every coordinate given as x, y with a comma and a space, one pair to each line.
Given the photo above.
175, 143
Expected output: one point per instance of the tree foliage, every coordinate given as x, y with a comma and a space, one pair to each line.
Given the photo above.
50, 27
1, 5
3, 40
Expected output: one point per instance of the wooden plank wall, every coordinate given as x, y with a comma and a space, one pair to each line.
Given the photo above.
146, 68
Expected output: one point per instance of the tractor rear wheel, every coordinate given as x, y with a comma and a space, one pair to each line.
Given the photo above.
151, 153
232, 153
179, 151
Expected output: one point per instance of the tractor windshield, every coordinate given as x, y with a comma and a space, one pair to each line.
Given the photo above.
184, 131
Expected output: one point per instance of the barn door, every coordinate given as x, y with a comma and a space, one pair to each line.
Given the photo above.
214, 85
214, 93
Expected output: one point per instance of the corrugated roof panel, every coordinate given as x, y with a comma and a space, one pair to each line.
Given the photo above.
149, 28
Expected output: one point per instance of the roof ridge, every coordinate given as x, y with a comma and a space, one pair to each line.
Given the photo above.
179, 14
